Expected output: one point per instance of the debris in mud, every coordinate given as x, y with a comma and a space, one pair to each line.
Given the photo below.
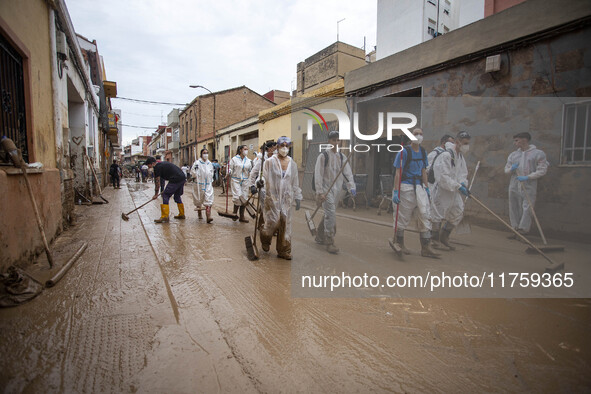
17, 287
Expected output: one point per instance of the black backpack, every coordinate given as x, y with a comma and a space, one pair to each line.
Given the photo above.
408, 153
431, 174
325, 164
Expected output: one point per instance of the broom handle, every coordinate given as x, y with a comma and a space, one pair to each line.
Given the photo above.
227, 184
527, 241
256, 220
144, 204
333, 182
399, 192
93, 174
533, 213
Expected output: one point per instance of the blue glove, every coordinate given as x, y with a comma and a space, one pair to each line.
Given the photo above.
514, 167
428, 192
522, 178
395, 197
253, 189
464, 191
353, 192
298, 205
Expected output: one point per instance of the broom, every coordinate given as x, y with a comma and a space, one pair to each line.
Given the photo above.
227, 214
252, 251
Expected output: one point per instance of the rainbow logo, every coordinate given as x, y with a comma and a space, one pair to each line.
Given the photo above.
315, 117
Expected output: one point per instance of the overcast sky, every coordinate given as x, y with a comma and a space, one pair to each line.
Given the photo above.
155, 49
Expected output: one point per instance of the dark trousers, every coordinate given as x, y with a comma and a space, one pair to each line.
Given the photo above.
175, 189
115, 180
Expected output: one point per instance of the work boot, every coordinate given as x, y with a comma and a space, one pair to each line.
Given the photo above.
199, 214
235, 213
320, 240
435, 237
400, 242
286, 256
164, 217
330, 246
426, 249
242, 219
181, 214
208, 214
444, 238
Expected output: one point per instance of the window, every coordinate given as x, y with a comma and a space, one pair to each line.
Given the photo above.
576, 138
431, 27
12, 98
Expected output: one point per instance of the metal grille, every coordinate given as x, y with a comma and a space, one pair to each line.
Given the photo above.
13, 123
576, 148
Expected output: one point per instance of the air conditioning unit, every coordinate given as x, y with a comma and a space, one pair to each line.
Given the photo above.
493, 63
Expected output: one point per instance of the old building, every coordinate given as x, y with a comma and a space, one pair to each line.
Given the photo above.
51, 109
524, 69
214, 111
173, 145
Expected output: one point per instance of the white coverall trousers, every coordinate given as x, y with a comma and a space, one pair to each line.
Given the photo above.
519, 210
412, 197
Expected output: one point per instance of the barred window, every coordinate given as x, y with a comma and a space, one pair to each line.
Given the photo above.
576, 138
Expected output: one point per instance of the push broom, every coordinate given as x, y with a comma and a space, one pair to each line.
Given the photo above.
393, 244
227, 214
252, 251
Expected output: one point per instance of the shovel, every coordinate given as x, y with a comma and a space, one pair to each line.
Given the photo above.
250, 208
252, 251
98, 185
125, 216
227, 214
553, 267
545, 247
310, 218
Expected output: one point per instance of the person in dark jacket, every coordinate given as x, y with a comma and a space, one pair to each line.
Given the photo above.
115, 173
166, 171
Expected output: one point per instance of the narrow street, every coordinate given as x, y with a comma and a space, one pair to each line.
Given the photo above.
179, 308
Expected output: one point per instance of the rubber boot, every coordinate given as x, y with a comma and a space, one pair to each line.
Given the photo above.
400, 242
199, 214
435, 235
235, 213
164, 217
208, 214
181, 214
444, 237
426, 249
242, 219
330, 246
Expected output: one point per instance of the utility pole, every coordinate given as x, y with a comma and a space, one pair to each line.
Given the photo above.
338, 27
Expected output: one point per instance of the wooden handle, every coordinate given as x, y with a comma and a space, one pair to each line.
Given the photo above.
333, 181
533, 213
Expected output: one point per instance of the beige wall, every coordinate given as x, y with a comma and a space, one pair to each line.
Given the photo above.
275, 128
29, 21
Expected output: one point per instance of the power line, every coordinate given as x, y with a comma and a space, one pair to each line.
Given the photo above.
148, 101
140, 127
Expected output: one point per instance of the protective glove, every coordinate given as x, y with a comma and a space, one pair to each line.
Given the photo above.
464, 191
353, 192
396, 197
253, 189
428, 191
522, 178
260, 183
514, 167
298, 202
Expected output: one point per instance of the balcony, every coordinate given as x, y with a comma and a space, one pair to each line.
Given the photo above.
173, 145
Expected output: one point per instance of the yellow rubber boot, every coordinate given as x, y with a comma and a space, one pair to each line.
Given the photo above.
164, 217
181, 214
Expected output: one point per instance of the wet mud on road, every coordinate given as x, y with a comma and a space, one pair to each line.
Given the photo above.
179, 308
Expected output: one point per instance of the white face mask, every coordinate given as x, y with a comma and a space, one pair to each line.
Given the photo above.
464, 149
205, 156
283, 151
259, 155
275, 152
419, 139
245, 152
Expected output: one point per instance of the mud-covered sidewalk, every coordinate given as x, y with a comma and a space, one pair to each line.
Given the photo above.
179, 308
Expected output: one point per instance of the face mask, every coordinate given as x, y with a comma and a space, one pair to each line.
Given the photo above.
275, 152
283, 151
245, 152
205, 156
259, 155
419, 139
464, 149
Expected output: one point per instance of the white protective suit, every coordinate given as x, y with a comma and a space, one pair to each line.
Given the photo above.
282, 191
448, 203
324, 174
532, 163
202, 172
430, 157
254, 175
239, 172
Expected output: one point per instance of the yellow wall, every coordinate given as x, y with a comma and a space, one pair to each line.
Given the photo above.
29, 20
275, 128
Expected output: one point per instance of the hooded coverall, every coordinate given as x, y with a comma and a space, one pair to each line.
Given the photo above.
239, 171
202, 172
282, 189
450, 172
532, 163
324, 174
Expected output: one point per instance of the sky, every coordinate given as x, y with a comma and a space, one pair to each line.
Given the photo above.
155, 49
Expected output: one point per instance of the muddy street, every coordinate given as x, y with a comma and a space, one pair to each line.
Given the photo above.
179, 308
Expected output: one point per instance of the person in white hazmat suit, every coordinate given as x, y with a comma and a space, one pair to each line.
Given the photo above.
268, 148
451, 180
280, 178
526, 165
202, 172
328, 165
239, 171
414, 194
